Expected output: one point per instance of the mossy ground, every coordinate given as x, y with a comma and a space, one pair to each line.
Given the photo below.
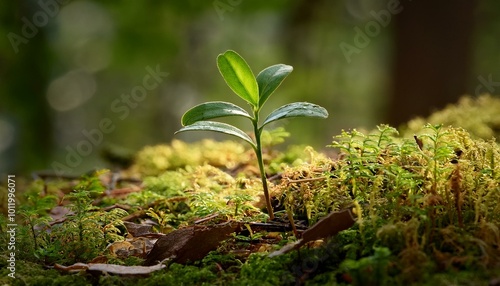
428, 211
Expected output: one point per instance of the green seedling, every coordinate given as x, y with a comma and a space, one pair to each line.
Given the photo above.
255, 91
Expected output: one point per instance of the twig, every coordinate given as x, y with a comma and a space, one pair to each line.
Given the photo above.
209, 217
290, 181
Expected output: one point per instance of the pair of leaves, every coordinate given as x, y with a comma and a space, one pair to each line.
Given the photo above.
255, 91
240, 78
195, 118
216, 109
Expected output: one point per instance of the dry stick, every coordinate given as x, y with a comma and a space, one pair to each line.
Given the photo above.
290, 181
117, 206
292, 222
206, 218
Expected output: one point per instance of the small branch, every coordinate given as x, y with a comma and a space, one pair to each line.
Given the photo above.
290, 181
117, 206
292, 222
209, 217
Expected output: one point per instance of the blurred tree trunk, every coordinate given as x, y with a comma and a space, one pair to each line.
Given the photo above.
432, 56
23, 93
299, 26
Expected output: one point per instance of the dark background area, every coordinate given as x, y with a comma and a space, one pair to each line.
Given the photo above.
67, 68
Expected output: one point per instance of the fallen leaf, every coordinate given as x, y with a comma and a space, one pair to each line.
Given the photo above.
324, 228
120, 249
99, 259
329, 225
189, 243
77, 267
136, 229
136, 246
110, 268
125, 270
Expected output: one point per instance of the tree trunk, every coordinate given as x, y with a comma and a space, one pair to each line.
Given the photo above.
24, 70
432, 56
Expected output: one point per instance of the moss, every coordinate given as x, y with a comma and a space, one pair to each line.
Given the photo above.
427, 207
202, 190
433, 206
154, 160
477, 115
227, 155
182, 275
28, 273
259, 270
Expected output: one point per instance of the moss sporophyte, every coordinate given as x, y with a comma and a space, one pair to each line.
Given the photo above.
255, 91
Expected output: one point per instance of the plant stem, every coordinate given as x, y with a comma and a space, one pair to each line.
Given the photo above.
258, 152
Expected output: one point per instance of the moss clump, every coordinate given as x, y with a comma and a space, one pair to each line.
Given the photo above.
479, 116
305, 188
154, 160
431, 204
29, 273
182, 275
227, 155
177, 198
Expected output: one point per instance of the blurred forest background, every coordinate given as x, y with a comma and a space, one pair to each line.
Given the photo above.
67, 68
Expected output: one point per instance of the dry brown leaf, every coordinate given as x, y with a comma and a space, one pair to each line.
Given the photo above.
190, 243
324, 228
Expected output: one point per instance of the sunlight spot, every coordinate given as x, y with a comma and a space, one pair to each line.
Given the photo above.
85, 35
71, 90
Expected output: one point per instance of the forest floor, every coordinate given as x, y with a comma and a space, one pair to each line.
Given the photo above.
419, 206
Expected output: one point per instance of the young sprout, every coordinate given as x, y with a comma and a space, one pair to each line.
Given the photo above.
255, 91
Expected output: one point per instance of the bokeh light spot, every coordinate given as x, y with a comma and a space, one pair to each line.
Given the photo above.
71, 90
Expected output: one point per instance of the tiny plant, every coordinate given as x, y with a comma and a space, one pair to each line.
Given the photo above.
255, 91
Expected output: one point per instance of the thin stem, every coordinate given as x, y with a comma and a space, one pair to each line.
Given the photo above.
258, 152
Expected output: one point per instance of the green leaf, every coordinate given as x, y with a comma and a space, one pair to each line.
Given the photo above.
218, 127
210, 110
269, 79
239, 77
296, 109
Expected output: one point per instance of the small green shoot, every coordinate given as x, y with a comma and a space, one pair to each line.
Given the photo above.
255, 91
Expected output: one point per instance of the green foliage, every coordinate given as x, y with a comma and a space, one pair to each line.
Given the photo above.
239, 77
255, 91
29, 273
195, 192
182, 275
86, 232
258, 270
169, 184
35, 215
376, 265
270, 138
422, 199
240, 203
79, 237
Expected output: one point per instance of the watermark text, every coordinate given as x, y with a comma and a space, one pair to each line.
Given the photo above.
371, 29
48, 9
11, 225
487, 84
223, 6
